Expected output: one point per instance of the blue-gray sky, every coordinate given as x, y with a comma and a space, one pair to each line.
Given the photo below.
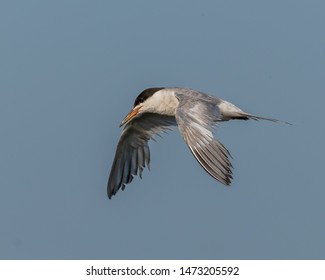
70, 71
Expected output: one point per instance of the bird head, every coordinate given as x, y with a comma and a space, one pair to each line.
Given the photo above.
141, 104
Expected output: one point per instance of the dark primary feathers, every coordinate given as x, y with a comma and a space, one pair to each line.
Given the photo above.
132, 153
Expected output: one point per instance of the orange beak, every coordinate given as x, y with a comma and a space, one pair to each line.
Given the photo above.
130, 115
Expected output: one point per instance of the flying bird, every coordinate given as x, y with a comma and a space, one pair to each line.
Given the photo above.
195, 113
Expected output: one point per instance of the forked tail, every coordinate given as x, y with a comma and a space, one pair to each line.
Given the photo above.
256, 118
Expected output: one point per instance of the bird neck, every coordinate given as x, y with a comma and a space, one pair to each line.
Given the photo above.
163, 102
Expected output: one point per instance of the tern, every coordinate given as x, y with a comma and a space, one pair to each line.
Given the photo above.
195, 113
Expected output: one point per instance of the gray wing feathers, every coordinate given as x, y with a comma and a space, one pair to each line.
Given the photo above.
132, 153
196, 120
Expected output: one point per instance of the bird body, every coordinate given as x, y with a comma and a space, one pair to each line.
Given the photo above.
195, 113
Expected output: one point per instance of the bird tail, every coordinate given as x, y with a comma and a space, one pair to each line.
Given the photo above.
229, 112
256, 118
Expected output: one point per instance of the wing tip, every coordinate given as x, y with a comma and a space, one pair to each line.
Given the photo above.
110, 192
225, 181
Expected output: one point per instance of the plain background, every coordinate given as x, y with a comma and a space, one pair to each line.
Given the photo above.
69, 73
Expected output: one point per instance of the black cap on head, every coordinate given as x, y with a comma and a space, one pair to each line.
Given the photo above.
145, 95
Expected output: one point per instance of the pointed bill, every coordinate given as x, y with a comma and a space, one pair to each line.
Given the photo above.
130, 115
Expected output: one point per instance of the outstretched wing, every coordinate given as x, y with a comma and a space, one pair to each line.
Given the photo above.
196, 119
132, 153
